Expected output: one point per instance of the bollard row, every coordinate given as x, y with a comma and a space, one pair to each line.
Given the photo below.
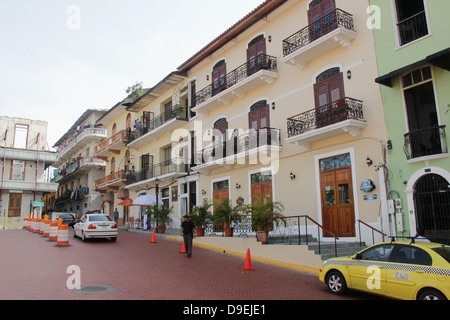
55, 231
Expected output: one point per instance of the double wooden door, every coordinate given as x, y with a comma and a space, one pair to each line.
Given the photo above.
338, 214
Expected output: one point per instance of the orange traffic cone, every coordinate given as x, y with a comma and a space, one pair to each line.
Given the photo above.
183, 248
248, 262
153, 240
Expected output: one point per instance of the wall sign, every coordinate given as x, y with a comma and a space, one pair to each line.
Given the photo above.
367, 186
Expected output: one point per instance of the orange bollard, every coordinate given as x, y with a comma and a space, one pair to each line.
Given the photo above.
25, 224
248, 262
53, 236
153, 240
47, 228
63, 236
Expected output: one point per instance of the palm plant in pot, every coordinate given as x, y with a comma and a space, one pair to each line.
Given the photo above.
201, 216
225, 213
162, 216
264, 212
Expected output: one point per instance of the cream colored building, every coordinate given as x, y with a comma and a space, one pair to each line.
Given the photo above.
77, 166
306, 70
282, 104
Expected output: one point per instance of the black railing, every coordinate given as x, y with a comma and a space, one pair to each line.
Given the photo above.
299, 230
167, 167
335, 112
178, 112
261, 62
374, 230
238, 144
413, 28
425, 142
318, 29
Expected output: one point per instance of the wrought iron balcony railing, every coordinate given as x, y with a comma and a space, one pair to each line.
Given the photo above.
326, 115
161, 169
413, 28
261, 62
425, 142
238, 144
337, 18
178, 112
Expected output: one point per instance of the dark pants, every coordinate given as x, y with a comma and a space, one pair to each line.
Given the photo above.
188, 242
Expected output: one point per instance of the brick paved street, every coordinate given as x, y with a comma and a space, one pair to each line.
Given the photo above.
33, 268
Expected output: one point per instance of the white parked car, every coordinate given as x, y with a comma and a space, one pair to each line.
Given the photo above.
95, 226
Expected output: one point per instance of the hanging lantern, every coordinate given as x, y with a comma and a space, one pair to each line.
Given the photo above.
123, 194
108, 197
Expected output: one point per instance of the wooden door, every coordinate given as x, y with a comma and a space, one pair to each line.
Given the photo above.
219, 75
15, 205
338, 214
256, 55
325, 93
319, 26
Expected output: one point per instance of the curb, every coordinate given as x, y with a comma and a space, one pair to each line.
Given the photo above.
241, 255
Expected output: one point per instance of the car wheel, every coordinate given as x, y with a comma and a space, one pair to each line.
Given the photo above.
74, 233
83, 237
336, 283
114, 239
431, 294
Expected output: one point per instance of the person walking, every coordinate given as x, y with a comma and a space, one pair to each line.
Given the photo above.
187, 232
116, 216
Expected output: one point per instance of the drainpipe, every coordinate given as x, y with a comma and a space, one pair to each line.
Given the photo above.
3, 173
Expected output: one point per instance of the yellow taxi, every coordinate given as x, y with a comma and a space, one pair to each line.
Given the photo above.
402, 270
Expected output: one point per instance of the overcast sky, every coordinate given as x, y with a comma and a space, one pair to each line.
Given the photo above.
59, 57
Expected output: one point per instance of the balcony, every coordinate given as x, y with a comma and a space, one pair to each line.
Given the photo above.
162, 124
256, 146
165, 171
47, 157
112, 145
86, 137
80, 167
113, 181
326, 34
413, 28
426, 144
252, 74
19, 185
342, 116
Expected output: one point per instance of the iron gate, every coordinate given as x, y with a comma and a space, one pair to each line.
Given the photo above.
432, 202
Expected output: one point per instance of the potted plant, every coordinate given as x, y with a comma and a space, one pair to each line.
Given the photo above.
225, 213
264, 211
162, 216
200, 216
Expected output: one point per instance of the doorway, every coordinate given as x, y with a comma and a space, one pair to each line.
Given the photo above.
336, 192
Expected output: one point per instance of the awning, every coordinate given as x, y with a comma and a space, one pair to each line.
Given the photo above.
439, 59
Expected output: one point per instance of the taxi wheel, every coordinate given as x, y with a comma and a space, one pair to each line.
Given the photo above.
336, 283
431, 295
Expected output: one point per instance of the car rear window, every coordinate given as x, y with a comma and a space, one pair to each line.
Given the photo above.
99, 218
444, 252
66, 216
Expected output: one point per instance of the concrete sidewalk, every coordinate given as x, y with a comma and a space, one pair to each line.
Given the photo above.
293, 257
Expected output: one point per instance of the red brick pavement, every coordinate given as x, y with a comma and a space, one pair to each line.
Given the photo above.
33, 269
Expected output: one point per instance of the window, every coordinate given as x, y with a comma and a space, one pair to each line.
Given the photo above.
378, 253
15, 205
412, 255
17, 170
20, 136
337, 162
411, 20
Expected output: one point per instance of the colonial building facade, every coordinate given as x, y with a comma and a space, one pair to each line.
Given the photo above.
413, 54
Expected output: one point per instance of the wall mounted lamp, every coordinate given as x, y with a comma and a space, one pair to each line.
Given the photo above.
292, 176
238, 186
369, 162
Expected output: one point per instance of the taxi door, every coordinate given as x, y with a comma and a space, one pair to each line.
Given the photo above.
407, 274
367, 272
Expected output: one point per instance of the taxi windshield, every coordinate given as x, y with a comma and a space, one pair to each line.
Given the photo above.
443, 251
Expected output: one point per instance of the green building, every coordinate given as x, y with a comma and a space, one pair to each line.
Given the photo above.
412, 40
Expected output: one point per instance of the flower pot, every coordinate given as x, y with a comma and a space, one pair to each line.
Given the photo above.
200, 232
263, 237
161, 229
228, 231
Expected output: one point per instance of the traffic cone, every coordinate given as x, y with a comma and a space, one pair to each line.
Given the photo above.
248, 262
153, 240
183, 248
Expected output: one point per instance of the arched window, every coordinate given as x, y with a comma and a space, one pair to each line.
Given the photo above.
259, 115
219, 77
